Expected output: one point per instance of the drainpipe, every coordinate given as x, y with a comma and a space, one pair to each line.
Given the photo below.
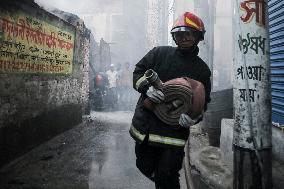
252, 96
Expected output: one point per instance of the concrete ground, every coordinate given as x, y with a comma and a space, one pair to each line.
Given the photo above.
211, 171
208, 168
97, 154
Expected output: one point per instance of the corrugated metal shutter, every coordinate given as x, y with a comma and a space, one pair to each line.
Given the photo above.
276, 33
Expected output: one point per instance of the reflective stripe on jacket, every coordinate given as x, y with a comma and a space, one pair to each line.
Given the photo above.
156, 138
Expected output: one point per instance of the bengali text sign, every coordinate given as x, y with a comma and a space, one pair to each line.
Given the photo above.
31, 45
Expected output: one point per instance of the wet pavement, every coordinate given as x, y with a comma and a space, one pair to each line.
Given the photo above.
97, 154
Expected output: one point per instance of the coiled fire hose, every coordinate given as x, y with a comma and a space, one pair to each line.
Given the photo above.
182, 95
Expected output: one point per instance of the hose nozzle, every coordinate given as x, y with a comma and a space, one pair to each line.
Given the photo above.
153, 79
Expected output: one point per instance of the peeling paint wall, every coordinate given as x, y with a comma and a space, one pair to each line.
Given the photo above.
85, 46
35, 107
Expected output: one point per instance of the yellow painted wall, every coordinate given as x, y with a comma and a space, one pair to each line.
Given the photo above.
31, 45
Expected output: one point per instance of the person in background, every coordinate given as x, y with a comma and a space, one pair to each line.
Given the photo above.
119, 69
112, 80
159, 147
98, 94
125, 82
119, 87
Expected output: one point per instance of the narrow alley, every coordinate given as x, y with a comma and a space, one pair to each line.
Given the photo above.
97, 154
141, 94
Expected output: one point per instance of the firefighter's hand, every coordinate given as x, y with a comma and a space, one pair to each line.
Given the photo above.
155, 95
185, 121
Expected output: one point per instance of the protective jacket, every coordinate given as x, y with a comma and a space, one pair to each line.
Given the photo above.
169, 63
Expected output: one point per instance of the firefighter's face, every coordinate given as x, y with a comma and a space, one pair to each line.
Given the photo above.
186, 39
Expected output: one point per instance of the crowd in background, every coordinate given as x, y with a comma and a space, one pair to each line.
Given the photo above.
113, 89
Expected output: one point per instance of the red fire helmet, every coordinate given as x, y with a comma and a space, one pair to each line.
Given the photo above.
188, 21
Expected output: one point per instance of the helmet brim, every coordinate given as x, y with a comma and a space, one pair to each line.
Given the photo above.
182, 29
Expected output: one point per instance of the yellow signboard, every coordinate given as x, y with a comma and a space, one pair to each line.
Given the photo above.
31, 45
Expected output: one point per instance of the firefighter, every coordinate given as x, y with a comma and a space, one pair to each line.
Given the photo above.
159, 147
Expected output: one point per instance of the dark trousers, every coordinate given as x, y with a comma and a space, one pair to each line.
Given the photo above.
160, 164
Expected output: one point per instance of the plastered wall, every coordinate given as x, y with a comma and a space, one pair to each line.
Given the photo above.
43, 92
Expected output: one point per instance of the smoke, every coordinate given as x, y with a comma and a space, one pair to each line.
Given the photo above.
75, 6
223, 46
132, 27
123, 25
